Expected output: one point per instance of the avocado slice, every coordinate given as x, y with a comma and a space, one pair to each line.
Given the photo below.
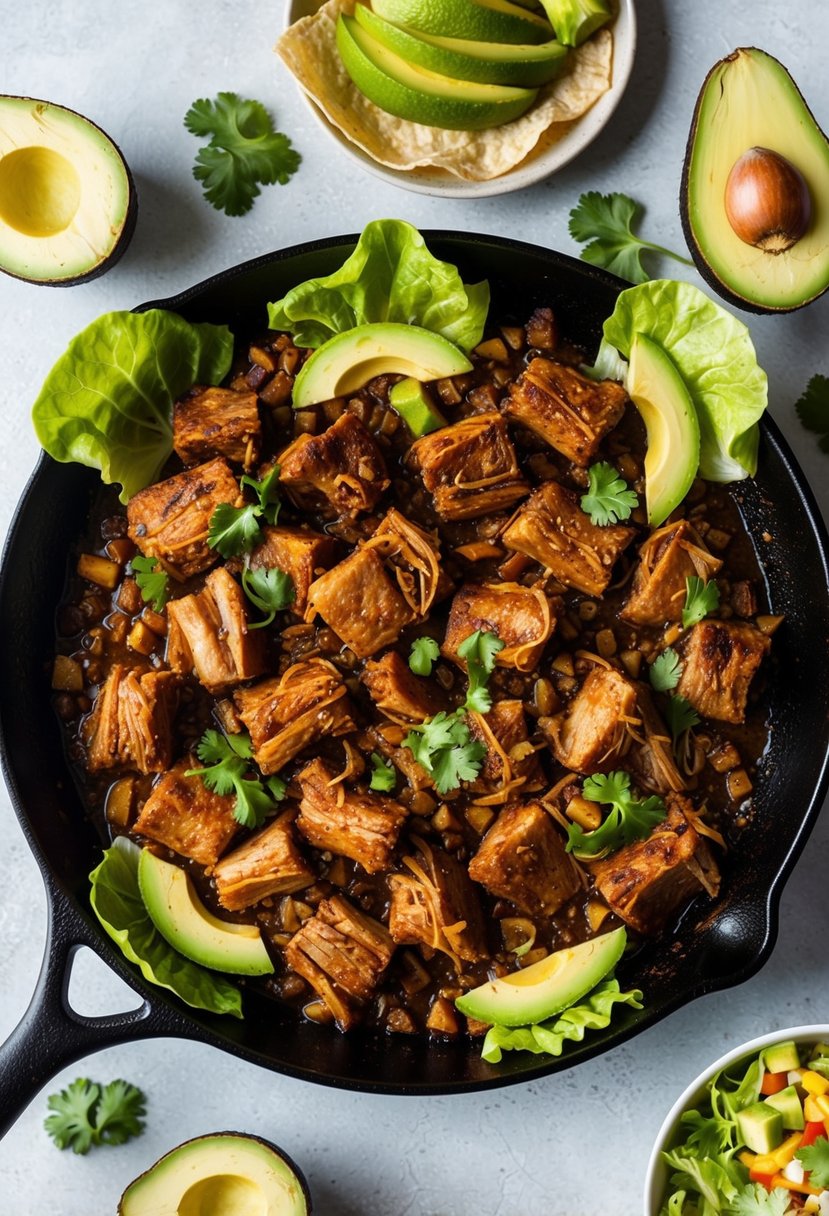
420, 95
412, 402
476, 20
760, 1127
227, 1172
575, 20
464, 59
787, 1101
782, 1057
67, 200
659, 393
545, 988
349, 360
749, 104
182, 919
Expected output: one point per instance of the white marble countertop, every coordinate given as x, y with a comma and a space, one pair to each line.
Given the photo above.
573, 1144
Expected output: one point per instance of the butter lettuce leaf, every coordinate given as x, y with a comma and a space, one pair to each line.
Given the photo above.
593, 1013
117, 903
390, 276
108, 401
714, 354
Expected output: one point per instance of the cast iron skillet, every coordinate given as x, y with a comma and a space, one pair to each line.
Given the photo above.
713, 947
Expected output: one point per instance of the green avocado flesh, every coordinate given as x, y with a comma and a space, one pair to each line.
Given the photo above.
67, 204
545, 988
760, 1127
658, 391
420, 95
412, 402
223, 1175
485, 62
788, 1103
477, 20
782, 1057
346, 362
182, 919
749, 101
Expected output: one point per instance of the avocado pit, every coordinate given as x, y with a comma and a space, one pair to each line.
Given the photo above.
767, 201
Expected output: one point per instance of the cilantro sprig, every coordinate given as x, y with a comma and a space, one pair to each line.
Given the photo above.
424, 651
665, 670
233, 531
608, 498
152, 580
700, 599
680, 716
244, 151
815, 1159
812, 409
270, 589
227, 761
383, 775
606, 221
479, 651
629, 818
86, 1114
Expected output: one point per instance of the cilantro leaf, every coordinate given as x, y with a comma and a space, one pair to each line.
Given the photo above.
227, 761
383, 775
233, 530
267, 492
608, 498
456, 764
270, 589
479, 651
815, 1159
629, 818
606, 221
755, 1200
151, 579
700, 599
665, 670
84, 1114
680, 716
423, 653
244, 151
813, 408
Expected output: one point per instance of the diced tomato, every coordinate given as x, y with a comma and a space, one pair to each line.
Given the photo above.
812, 1132
773, 1082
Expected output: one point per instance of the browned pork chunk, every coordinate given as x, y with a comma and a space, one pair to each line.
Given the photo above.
170, 520
415, 559
511, 763
647, 882
217, 422
402, 696
360, 602
521, 616
269, 863
187, 817
299, 552
719, 659
470, 468
342, 954
651, 756
523, 859
434, 904
569, 411
668, 557
552, 528
592, 733
208, 635
343, 469
130, 725
307, 703
355, 823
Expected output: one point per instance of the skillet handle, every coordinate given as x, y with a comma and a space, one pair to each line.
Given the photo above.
50, 1034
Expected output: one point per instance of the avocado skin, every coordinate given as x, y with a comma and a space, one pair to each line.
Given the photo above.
717, 284
130, 220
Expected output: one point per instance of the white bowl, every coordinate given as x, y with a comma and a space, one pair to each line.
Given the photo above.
546, 159
656, 1179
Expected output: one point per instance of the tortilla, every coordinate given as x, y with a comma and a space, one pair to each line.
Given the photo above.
309, 49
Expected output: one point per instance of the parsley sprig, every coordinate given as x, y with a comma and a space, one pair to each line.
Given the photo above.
244, 151
606, 221
700, 599
86, 1113
227, 760
233, 531
152, 580
424, 651
629, 818
270, 589
383, 775
813, 409
608, 498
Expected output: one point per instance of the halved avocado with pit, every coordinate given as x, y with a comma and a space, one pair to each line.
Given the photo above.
749, 107
216, 1175
67, 199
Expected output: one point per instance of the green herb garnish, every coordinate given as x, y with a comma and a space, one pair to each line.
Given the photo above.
606, 221
227, 761
270, 589
608, 498
383, 775
244, 151
813, 409
479, 651
233, 531
152, 580
681, 716
629, 818
700, 599
422, 655
665, 670
86, 1113
755, 1200
815, 1159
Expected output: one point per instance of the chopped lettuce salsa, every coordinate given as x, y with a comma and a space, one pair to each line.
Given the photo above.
758, 1144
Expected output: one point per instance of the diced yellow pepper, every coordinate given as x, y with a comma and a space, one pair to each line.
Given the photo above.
747, 1157
785, 1153
814, 1083
811, 1110
764, 1163
802, 1188
822, 1104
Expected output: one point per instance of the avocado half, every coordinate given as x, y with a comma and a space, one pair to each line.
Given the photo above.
227, 1172
750, 104
68, 203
